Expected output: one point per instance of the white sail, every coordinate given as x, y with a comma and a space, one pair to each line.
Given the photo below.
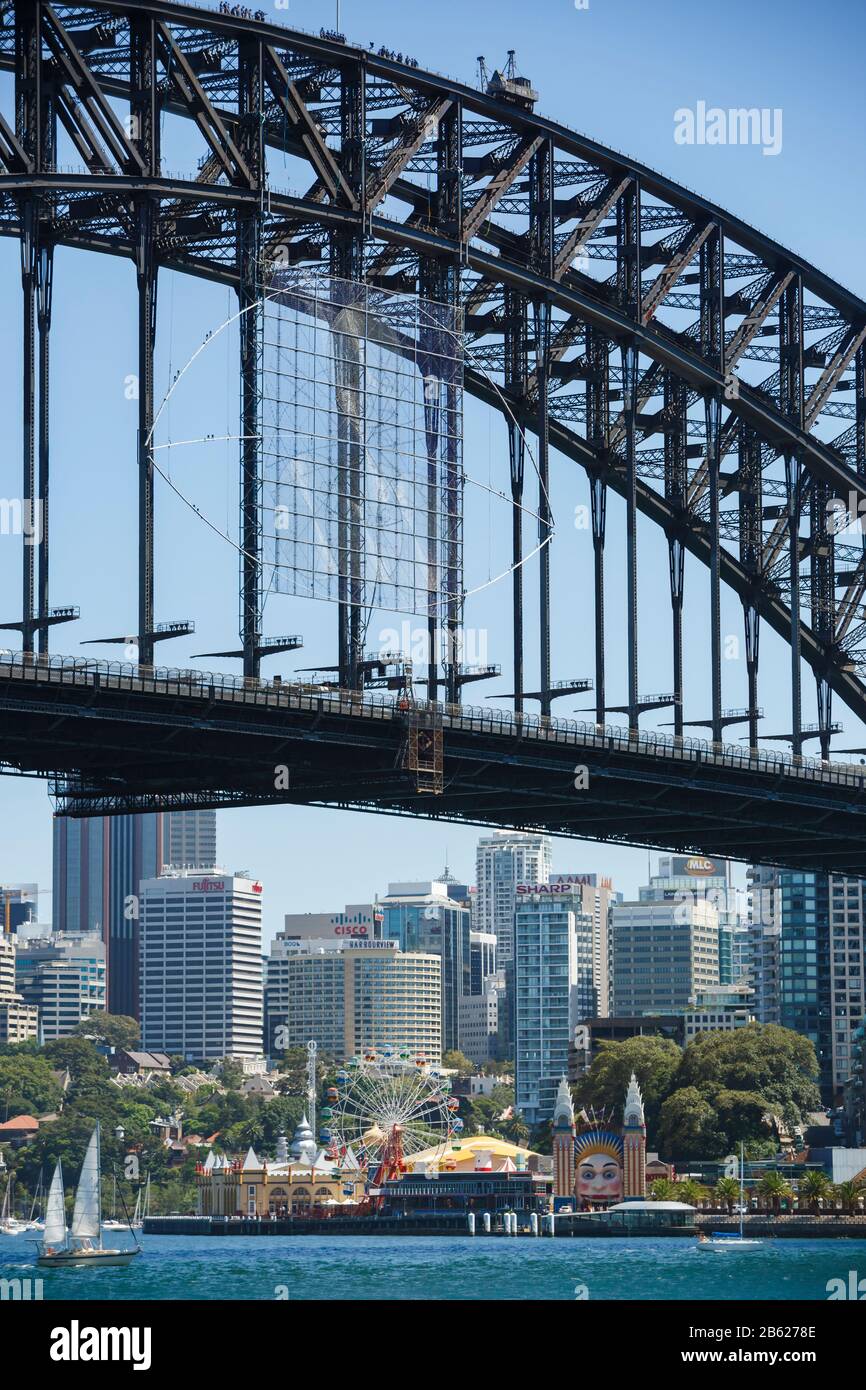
87, 1213
55, 1213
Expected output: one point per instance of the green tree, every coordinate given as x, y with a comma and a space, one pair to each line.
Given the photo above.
541, 1138
457, 1061
815, 1187
516, 1131
773, 1189
850, 1194
80, 1058
774, 1063
115, 1030
653, 1060
728, 1192
663, 1190
740, 1116
231, 1074
688, 1127
27, 1085
695, 1193
293, 1065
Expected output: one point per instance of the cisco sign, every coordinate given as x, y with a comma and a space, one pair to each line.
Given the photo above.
355, 930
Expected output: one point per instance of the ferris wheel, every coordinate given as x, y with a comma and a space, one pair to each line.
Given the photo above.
387, 1106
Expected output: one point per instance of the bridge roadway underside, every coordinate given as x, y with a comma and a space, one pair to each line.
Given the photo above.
116, 740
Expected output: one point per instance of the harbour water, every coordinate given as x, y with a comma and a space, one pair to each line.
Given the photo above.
445, 1268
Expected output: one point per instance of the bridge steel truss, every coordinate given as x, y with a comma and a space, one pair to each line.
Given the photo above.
709, 377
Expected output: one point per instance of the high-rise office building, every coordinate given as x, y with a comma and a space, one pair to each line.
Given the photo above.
664, 951
190, 839
597, 896
719, 1009
478, 1023
99, 865
353, 994
503, 860
686, 878
806, 959
201, 966
482, 959
553, 987
18, 1020
422, 917
7, 965
357, 922
847, 952
805, 975
764, 955
63, 975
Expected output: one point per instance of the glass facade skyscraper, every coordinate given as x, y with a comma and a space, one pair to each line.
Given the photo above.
99, 864
805, 996
421, 917
554, 990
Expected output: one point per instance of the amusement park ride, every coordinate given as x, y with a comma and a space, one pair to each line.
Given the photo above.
386, 1107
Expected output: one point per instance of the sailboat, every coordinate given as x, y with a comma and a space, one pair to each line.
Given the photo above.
35, 1223
9, 1223
723, 1240
138, 1215
82, 1247
112, 1224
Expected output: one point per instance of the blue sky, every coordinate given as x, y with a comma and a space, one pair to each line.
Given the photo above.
616, 71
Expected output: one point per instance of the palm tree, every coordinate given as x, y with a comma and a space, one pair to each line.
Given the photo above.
693, 1192
849, 1193
728, 1192
663, 1190
816, 1187
774, 1189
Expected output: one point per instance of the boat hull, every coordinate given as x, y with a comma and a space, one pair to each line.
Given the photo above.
86, 1259
734, 1244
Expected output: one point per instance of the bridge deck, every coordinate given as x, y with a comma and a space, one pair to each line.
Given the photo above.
116, 738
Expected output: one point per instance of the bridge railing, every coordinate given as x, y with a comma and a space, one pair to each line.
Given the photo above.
187, 682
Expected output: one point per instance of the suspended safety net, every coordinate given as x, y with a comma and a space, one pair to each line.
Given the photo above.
361, 449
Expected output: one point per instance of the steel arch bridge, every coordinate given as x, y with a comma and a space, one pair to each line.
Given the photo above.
711, 378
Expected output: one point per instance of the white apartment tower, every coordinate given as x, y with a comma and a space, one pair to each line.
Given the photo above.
201, 965
503, 860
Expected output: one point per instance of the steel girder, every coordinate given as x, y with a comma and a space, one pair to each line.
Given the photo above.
553, 231
177, 739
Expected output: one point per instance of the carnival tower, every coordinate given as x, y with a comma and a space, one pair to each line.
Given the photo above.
563, 1142
634, 1143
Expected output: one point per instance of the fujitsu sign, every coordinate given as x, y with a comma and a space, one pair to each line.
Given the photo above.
209, 885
